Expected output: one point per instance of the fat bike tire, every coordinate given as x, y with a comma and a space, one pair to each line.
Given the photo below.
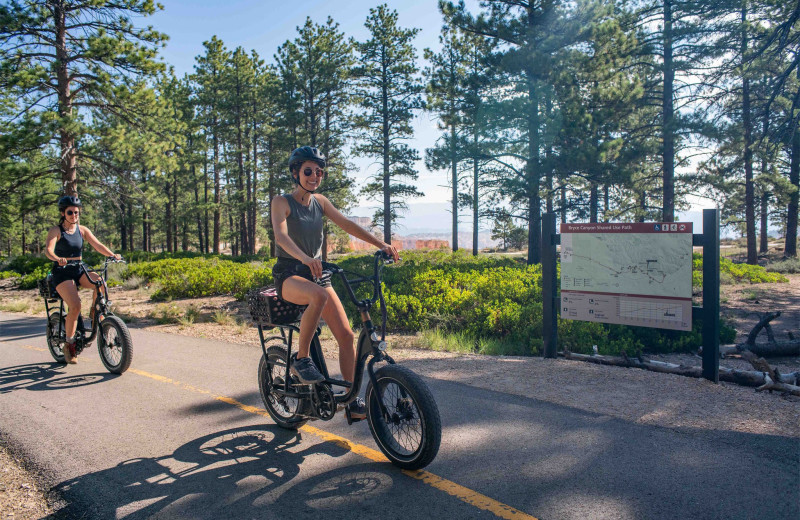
411, 431
114, 345
287, 412
54, 342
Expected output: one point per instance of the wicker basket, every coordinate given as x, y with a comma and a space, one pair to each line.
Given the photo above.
267, 309
46, 288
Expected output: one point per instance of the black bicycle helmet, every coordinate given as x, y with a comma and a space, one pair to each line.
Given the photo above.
303, 154
69, 201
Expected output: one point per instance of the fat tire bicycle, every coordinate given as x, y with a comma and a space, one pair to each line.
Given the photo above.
400, 410
113, 338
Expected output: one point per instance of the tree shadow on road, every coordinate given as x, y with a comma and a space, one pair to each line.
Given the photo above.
23, 328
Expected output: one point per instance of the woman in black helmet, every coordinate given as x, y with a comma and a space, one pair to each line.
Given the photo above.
297, 223
64, 247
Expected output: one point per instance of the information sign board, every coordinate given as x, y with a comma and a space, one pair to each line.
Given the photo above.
628, 273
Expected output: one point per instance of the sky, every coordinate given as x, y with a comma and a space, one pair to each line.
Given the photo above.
266, 24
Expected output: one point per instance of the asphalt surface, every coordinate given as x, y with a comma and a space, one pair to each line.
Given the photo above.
183, 434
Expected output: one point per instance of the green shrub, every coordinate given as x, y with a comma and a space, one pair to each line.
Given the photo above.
30, 280
490, 304
15, 306
730, 273
167, 313
200, 277
222, 317
787, 266
495, 306
26, 264
133, 282
8, 274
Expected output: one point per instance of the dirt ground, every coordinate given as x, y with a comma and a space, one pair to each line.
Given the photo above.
633, 395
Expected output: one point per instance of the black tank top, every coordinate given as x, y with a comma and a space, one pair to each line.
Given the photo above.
69, 245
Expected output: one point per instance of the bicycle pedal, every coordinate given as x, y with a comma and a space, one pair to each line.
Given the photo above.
350, 418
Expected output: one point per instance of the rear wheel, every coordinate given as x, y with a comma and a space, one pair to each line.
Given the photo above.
115, 345
55, 341
410, 432
287, 412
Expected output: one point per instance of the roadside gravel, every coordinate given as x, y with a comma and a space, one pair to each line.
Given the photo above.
21, 495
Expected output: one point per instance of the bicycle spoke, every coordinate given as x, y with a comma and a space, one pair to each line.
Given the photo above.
405, 431
112, 348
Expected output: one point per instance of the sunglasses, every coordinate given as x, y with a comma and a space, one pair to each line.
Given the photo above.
71, 212
319, 172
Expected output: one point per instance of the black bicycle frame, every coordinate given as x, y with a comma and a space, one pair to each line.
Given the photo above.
368, 342
100, 302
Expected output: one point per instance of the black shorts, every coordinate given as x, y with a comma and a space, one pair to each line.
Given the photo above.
68, 272
286, 267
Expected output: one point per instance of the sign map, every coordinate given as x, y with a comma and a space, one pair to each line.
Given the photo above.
629, 273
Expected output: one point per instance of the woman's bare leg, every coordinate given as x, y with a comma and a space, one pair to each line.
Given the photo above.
69, 293
89, 285
300, 291
336, 318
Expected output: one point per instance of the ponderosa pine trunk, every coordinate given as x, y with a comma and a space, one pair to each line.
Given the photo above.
668, 116
749, 187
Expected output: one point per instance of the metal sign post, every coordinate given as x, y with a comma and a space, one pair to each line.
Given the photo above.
549, 284
710, 309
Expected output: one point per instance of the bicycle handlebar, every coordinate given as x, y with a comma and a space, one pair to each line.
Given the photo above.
329, 269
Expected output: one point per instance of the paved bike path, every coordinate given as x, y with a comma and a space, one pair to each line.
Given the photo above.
180, 436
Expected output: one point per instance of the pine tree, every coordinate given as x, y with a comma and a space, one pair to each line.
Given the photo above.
211, 89
534, 37
64, 58
446, 98
388, 92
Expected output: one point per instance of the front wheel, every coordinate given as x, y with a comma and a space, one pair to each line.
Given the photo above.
55, 341
115, 345
410, 432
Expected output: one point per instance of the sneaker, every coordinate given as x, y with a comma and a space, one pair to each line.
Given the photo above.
305, 371
70, 353
357, 410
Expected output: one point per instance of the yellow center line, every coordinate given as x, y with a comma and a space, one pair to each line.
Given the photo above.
458, 491
462, 493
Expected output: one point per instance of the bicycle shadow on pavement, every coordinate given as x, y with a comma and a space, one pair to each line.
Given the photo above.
227, 474
43, 376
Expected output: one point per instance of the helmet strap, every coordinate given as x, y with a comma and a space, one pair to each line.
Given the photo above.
297, 180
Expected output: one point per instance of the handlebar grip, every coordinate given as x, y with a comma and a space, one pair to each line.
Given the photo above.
333, 268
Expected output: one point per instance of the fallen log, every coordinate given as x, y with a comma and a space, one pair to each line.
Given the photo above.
770, 348
759, 379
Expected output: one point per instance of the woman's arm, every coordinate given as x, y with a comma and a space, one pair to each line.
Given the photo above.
96, 244
279, 210
354, 229
50, 246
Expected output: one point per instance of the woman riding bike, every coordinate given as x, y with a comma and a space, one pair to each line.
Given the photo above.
297, 223
64, 247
